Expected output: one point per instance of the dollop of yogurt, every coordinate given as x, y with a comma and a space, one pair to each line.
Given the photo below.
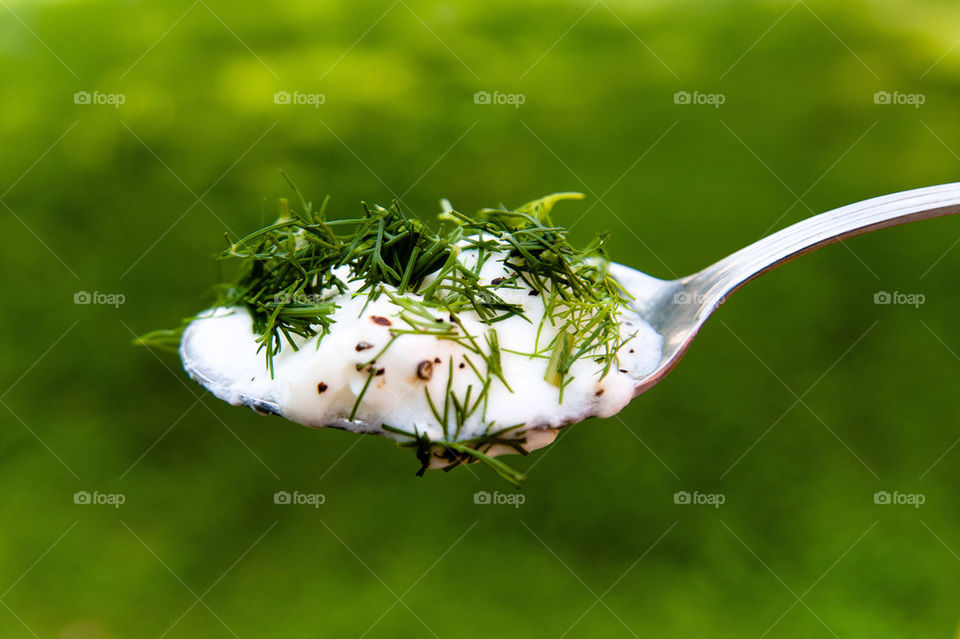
372, 373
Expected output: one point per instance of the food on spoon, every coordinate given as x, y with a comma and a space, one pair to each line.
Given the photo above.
480, 339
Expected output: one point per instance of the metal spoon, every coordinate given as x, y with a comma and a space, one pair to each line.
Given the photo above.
675, 308
678, 308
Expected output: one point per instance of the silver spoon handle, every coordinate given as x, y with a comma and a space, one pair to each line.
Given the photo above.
719, 280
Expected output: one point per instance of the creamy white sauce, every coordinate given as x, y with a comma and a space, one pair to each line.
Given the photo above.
318, 384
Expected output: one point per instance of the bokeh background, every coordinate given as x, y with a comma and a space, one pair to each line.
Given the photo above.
800, 400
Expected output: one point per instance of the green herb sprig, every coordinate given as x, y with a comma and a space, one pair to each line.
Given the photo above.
292, 271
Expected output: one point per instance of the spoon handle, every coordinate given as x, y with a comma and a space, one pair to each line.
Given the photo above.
719, 280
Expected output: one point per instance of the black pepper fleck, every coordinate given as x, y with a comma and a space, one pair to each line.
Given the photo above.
425, 369
462, 365
362, 346
623, 370
381, 371
382, 321
321, 387
436, 360
598, 393
533, 292
496, 281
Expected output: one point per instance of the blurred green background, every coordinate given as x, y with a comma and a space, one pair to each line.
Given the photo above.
799, 401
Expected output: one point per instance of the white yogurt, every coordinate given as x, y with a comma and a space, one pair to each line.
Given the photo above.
318, 384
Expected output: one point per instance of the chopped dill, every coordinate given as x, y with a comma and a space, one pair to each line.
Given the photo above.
292, 271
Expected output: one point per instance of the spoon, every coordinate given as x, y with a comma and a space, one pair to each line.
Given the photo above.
678, 308
675, 309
